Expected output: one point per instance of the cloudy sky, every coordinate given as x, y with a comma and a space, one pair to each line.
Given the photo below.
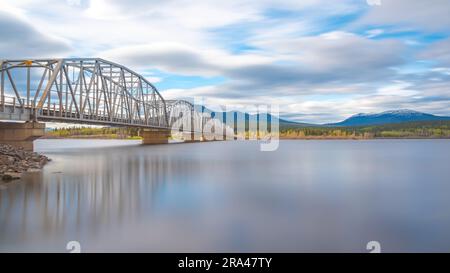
319, 60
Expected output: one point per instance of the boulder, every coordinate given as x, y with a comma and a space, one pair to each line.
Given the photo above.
15, 161
8, 176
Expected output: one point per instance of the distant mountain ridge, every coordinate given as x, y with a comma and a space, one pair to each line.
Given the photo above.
241, 117
387, 117
361, 119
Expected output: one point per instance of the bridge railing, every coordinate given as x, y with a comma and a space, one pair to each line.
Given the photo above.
81, 89
12, 102
89, 90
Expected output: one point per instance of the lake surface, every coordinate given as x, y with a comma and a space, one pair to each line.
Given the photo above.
229, 196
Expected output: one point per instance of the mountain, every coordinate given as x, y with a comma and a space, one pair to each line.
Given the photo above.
362, 119
397, 116
281, 122
241, 117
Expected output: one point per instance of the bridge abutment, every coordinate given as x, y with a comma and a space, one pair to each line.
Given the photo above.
155, 136
21, 134
191, 137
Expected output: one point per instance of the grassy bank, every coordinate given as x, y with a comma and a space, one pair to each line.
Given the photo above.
94, 133
424, 129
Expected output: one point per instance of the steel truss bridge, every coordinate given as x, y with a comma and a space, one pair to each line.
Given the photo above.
87, 91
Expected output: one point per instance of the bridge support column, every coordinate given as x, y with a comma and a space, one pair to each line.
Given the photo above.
21, 134
190, 137
155, 136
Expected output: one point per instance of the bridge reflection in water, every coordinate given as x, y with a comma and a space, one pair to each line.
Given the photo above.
84, 192
230, 196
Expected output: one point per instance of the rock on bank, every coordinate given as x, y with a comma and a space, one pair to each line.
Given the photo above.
15, 161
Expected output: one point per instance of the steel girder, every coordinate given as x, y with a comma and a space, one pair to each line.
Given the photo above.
81, 90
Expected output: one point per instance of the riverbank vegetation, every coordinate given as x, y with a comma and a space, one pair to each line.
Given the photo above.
424, 129
91, 132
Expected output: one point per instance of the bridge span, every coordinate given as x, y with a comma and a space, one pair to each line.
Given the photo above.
86, 91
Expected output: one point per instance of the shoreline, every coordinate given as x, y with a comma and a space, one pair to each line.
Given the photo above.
89, 137
15, 161
373, 138
97, 137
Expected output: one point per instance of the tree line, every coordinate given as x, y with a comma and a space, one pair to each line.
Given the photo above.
424, 129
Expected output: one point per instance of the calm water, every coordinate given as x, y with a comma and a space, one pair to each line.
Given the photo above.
229, 196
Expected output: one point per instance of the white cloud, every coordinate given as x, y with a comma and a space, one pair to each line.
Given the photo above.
418, 14
398, 88
304, 61
337, 51
20, 39
439, 52
372, 33
102, 10
182, 59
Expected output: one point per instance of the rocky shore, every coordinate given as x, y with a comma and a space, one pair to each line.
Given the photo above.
16, 161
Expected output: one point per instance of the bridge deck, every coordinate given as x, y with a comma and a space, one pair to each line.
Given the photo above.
18, 113
89, 91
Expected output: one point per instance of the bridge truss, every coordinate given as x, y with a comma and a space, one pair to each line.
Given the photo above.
80, 90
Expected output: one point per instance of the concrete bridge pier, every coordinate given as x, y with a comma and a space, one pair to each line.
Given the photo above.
190, 137
21, 134
205, 137
155, 136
